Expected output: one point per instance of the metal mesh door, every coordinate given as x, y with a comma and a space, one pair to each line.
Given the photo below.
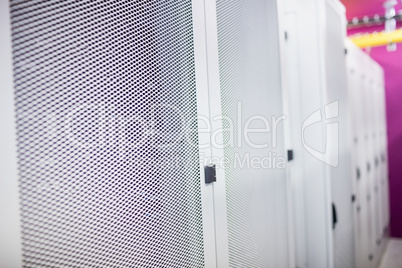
103, 91
250, 85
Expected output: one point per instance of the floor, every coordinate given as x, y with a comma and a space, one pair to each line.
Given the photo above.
392, 257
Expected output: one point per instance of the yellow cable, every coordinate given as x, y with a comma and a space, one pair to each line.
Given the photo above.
377, 39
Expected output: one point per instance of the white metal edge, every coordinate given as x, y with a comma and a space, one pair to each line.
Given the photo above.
367, 69
317, 207
221, 227
385, 146
337, 5
287, 130
10, 224
321, 33
201, 74
350, 65
297, 182
346, 208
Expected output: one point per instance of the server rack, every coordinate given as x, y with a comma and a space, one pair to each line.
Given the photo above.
371, 219
97, 93
319, 108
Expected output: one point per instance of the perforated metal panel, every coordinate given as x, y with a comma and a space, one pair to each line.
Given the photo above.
102, 91
250, 78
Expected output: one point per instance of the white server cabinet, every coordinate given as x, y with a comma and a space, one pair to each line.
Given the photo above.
320, 126
383, 148
250, 80
108, 175
112, 110
366, 91
361, 208
380, 140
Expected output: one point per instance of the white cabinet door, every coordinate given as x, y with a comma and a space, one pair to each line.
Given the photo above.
341, 174
361, 208
247, 61
365, 82
107, 95
119, 107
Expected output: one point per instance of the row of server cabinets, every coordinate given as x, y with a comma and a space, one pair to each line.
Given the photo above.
227, 133
370, 183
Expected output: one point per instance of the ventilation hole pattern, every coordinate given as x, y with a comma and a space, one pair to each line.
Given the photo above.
250, 76
102, 91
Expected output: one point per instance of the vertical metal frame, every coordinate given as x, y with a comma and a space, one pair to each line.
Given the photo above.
282, 33
306, 28
384, 148
353, 77
214, 94
370, 221
327, 98
375, 201
383, 153
368, 175
215, 111
341, 182
380, 185
295, 171
208, 195
10, 225
379, 220
365, 155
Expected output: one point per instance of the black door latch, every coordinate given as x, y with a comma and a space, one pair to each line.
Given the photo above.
210, 173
